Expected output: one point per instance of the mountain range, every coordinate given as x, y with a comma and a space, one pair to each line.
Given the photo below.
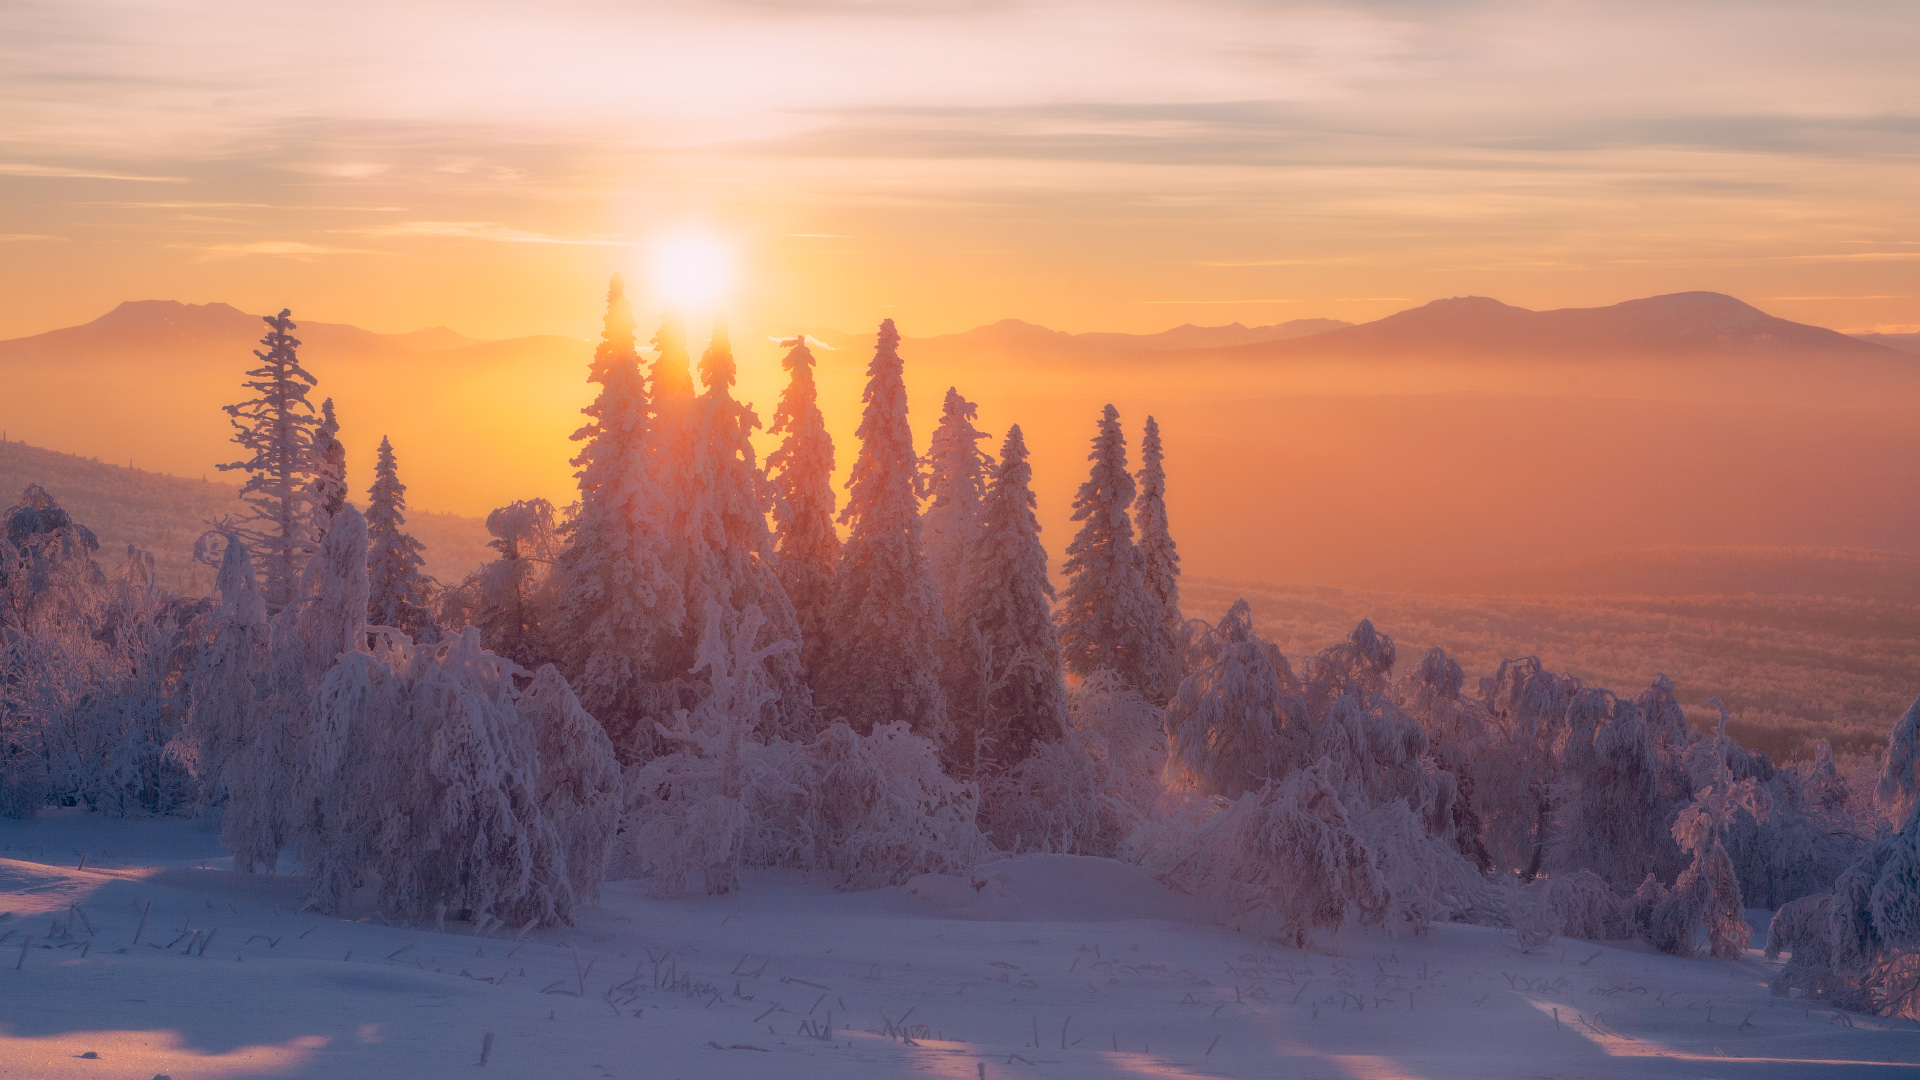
1456, 441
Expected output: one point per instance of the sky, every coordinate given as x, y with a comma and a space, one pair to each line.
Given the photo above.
1116, 165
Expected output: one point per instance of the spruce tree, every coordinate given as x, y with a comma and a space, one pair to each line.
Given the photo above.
956, 482
728, 549
276, 429
802, 471
616, 598
1004, 622
882, 662
1108, 622
511, 598
397, 592
329, 470
670, 397
1159, 559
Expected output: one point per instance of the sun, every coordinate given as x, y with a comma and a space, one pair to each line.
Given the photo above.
691, 271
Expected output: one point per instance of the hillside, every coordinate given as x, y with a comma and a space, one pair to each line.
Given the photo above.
1908, 342
165, 514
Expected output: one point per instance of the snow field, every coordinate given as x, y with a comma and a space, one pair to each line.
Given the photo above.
1054, 966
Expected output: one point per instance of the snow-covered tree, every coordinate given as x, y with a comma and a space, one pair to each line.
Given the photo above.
581, 789
1108, 620
1001, 625
276, 429
42, 548
726, 550
1283, 861
617, 598
292, 759
956, 483
329, 469
1159, 559
882, 665
397, 592
1238, 721
1899, 788
425, 775
802, 473
227, 687
1610, 815
511, 599
1704, 905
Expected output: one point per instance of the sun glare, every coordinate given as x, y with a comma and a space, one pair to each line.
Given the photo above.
690, 271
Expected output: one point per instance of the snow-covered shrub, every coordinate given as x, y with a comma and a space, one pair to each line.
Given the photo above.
432, 796
1427, 877
867, 810
1801, 928
581, 789
689, 821
1872, 934
92, 672
1704, 906
1065, 798
1899, 788
880, 810
1282, 861
1612, 817
1585, 906
1237, 721
1087, 793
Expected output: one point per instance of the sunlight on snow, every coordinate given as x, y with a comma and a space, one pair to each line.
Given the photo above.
129, 1053
1596, 1031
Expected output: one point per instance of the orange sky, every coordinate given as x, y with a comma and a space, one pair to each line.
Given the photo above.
1117, 165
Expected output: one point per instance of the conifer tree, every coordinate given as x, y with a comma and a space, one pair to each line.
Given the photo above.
670, 397
882, 661
728, 549
276, 429
1004, 619
1159, 559
1108, 621
511, 599
802, 472
397, 592
616, 598
956, 483
329, 470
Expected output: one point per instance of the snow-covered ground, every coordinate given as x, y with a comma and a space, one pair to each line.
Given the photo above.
1056, 967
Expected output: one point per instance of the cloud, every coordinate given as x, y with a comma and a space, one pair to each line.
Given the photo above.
14, 238
292, 249
487, 230
62, 172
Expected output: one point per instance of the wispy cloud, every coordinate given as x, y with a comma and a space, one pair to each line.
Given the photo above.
63, 172
14, 238
290, 249
487, 230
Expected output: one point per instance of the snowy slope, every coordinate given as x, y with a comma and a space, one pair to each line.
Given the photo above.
937, 978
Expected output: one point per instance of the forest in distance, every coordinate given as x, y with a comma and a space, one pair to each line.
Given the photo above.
1801, 644
690, 674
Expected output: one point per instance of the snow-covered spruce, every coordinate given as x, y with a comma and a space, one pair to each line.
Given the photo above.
883, 664
276, 428
1108, 620
1008, 682
398, 594
726, 554
1159, 557
802, 474
957, 473
616, 596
